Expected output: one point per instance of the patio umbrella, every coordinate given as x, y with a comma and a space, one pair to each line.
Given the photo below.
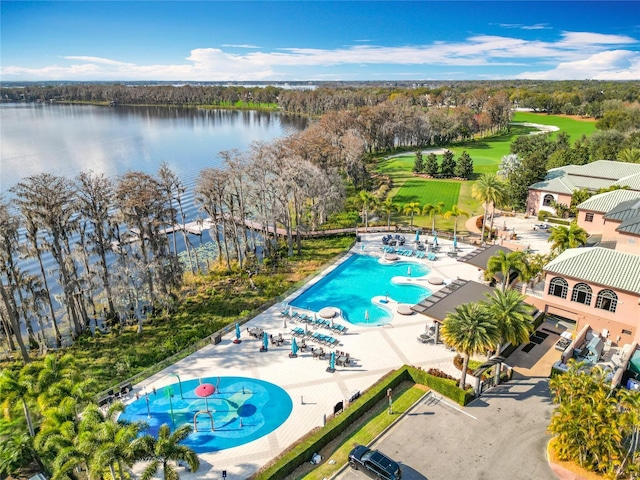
265, 341
332, 361
237, 340
366, 315
291, 310
294, 347
417, 236
435, 238
204, 391
455, 242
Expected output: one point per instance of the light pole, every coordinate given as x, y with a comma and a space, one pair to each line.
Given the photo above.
179, 383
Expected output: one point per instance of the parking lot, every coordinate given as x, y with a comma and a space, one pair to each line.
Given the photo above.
501, 435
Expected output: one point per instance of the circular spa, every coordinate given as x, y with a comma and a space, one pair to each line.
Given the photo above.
225, 411
353, 284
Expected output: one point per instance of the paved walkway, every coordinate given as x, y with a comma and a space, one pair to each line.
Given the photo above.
314, 391
537, 240
375, 350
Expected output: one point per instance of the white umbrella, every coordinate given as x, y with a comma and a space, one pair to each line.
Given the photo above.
291, 310
366, 315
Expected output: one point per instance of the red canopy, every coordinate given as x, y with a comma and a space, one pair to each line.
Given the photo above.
205, 390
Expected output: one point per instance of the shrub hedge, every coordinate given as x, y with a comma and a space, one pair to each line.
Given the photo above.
317, 439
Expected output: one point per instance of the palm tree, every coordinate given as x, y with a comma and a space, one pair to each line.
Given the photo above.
455, 212
562, 237
489, 189
629, 155
14, 387
108, 441
431, 210
470, 329
163, 450
411, 209
506, 264
387, 207
367, 203
513, 318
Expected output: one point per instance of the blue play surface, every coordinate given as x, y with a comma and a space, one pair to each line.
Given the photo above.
242, 409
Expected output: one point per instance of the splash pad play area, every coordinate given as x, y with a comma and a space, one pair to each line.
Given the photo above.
225, 411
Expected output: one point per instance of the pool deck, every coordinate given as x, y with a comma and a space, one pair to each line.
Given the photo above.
375, 351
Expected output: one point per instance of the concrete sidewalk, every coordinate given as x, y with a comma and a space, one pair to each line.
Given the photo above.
314, 391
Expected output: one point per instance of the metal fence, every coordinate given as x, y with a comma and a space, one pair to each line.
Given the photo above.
216, 336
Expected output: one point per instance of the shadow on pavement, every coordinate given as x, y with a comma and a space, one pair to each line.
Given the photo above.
409, 473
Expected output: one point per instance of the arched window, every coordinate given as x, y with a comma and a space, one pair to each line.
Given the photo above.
581, 293
558, 287
607, 300
547, 200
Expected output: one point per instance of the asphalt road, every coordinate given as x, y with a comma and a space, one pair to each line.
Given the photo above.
500, 436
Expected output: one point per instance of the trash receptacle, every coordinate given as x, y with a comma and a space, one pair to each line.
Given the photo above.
216, 339
358, 238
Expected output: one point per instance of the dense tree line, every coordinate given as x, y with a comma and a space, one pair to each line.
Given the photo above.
106, 238
587, 98
617, 138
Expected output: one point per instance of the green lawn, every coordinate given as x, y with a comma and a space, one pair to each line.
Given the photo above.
574, 127
426, 191
379, 420
486, 154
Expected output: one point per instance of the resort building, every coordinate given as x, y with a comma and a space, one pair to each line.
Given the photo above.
612, 219
599, 285
560, 183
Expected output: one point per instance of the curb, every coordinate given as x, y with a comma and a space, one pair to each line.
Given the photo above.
389, 427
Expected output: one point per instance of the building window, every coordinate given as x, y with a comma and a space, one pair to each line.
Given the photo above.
558, 287
547, 200
588, 217
607, 300
626, 332
581, 293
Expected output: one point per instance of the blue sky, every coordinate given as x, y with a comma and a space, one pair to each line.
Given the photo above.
319, 40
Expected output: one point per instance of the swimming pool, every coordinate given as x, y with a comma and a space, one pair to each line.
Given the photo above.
353, 283
243, 410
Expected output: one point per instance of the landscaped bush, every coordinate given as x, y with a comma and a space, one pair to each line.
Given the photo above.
447, 387
316, 440
543, 215
439, 373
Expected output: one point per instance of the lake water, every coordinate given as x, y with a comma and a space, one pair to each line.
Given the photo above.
66, 139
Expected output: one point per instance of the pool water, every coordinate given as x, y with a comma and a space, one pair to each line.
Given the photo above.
352, 285
243, 410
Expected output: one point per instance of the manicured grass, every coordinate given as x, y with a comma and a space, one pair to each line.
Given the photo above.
575, 127
379, 420
486, 154
426, 191
208, 303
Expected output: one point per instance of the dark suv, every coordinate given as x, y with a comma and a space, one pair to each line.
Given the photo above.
374, 463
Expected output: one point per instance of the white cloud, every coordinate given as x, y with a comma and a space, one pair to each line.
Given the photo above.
230, 45
105, 61
610, 65
574, 55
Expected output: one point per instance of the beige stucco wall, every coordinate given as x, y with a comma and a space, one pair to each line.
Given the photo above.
629, 244
592, 228
626, 316
535, 199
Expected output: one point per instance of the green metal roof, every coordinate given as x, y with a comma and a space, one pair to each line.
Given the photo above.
592, 176
632, 181
624, 210
631, 225
609, 268
605, 202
